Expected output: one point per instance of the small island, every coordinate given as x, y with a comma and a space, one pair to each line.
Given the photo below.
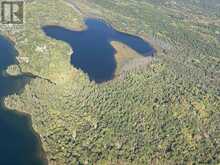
13, 70
161, 110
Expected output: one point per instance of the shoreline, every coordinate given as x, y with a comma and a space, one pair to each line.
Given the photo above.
28, 115
42, 156
3, 104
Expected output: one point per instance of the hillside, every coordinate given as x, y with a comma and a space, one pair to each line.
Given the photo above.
165, 112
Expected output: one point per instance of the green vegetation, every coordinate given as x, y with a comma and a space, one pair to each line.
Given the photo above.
39, 54
163, 113
13, 70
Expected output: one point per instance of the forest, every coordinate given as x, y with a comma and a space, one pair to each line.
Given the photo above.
165, 112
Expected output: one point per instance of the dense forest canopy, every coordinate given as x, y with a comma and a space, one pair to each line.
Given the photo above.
162, 112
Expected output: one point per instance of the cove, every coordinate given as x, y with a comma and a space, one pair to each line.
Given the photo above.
19, 145
93, 52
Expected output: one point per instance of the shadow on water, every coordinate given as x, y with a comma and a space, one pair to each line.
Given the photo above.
19, 144
93, 52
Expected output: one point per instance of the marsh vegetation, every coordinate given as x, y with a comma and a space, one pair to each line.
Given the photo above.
166, 112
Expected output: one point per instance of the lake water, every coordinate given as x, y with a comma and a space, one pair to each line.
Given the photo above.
18, 143
93, 52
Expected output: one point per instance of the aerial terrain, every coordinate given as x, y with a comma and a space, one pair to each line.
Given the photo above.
152, 98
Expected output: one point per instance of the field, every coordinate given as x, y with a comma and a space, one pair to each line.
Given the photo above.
165, 112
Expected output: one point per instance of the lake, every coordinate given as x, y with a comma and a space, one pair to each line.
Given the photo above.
93, 52
19, 145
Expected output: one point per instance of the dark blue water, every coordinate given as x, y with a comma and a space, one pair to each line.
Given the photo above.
18, 143
93, 52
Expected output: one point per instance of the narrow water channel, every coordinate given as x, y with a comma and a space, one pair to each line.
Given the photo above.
19, 145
